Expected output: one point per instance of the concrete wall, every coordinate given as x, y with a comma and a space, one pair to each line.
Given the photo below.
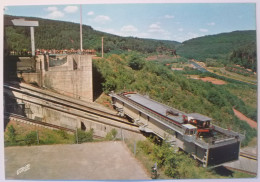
38, 109
74, 78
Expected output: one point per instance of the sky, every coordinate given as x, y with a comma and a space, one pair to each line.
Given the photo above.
167, 21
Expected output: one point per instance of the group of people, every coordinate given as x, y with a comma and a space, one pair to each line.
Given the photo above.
65, 51
52, 51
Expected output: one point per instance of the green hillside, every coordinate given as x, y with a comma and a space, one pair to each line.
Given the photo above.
218, 47
130, 72
53, 34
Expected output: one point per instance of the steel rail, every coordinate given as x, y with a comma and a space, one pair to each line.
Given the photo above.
7, 114
85, 117
20, 117
90, 109
94, 111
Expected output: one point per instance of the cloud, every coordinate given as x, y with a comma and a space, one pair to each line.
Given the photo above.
129, 28
204, 30
102, 19
54, 13
52, 8
180, 29
155, 27
211, 23
169, 16
91, 13
71, 9
156, 31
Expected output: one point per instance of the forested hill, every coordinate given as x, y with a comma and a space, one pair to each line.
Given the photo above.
52, 34
218, 46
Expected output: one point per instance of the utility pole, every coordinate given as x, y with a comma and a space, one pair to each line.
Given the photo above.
102, 47
81, 48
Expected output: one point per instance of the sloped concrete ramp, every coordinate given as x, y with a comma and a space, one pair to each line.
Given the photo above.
89, 161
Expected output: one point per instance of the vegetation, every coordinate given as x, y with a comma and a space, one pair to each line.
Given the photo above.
237, 47
245, 56
173, 164
84, 136
53, 34
21, 134
31, 138
239, 70
174, 89
11, 135
111, 135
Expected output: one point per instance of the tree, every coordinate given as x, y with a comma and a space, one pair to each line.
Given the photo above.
135, 61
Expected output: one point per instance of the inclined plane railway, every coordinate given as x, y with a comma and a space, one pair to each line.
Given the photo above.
66, 105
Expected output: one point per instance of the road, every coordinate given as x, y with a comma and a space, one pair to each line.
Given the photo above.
198, 67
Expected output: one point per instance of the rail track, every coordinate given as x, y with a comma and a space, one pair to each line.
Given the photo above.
248, 156
16, 116
66, 105
63, 100
53, 126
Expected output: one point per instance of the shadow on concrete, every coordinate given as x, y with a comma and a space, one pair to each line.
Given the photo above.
11, 105
97, 83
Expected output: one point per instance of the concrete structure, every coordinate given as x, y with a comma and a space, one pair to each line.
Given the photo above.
54, 108
152, 117
70, 75
25, 23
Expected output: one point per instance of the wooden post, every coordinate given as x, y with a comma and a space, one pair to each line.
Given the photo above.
102, 47
77, 136
37, 137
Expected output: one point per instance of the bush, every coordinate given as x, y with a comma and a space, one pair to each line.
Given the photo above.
31, 138
85, 136
135, 61
146, 146
63, 134
11, 134
111, 135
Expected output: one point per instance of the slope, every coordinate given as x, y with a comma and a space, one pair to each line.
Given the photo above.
218, 46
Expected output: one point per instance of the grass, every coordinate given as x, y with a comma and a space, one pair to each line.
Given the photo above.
253, 142
247, 95
235, 76
46, 136
104, 100
143, 154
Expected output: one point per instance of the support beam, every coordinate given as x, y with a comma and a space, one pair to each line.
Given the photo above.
102, 47
25, 23
32, 41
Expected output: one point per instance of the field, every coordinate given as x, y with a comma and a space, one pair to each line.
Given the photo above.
223, 72
208, 79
